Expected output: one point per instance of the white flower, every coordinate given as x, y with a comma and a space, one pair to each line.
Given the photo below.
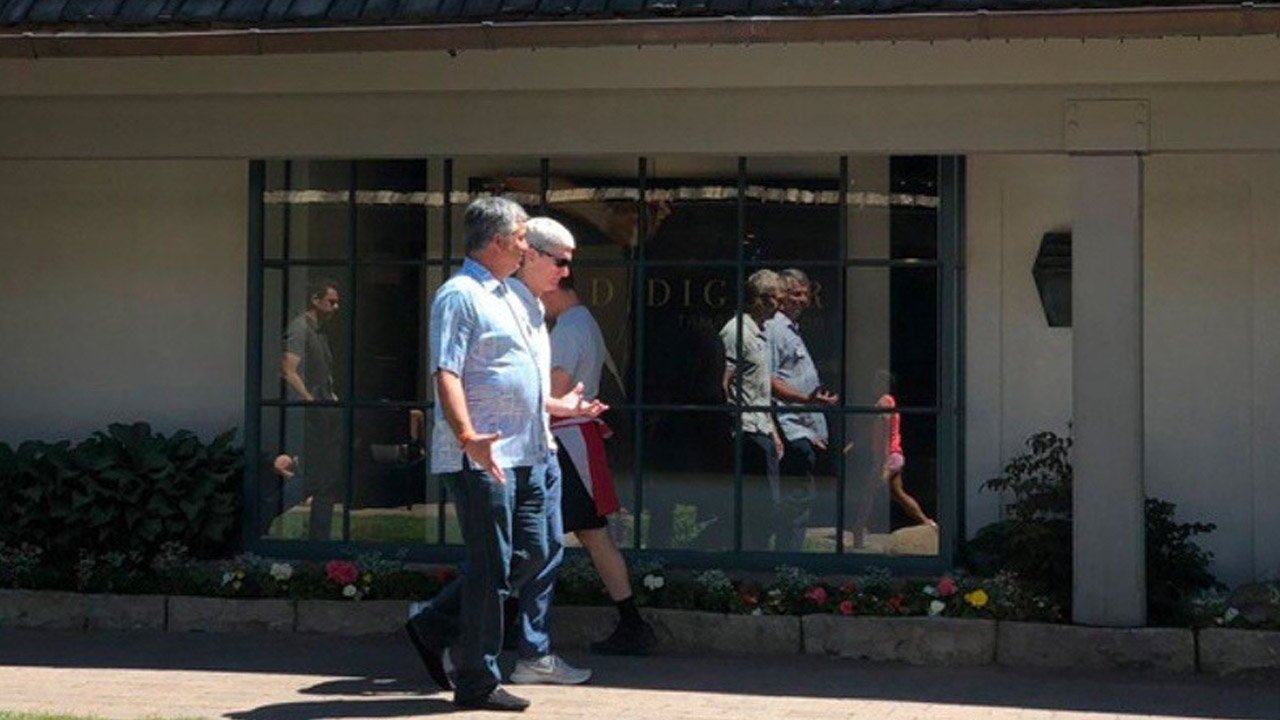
931, 591
281, 572
349, 591
936, 607
1230, 614
227, 577
757, 611
654, 582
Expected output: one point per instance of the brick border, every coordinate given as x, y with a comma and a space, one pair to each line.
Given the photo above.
914, 640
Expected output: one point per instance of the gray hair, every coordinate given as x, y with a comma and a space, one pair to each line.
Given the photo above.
794, 276
489, 216
763, 282
548, 234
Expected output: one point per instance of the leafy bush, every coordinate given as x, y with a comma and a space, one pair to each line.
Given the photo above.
124, 491
1034, 542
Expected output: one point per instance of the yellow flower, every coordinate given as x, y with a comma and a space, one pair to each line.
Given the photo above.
978, 598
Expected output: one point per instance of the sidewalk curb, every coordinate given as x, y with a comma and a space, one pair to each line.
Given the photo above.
912, 640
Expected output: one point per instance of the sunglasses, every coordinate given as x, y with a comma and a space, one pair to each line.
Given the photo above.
559, 261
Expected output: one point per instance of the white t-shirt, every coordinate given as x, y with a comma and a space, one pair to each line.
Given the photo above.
577, 347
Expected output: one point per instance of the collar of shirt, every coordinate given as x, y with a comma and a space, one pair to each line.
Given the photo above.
482, 275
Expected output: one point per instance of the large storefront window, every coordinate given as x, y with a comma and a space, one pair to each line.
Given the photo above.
347, 255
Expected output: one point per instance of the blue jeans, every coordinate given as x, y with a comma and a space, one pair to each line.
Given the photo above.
513, 544
537, 593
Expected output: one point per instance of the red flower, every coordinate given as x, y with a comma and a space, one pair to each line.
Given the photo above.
749, 600
816, 594
444, 574
846, 607
341, 572
947, 587
849, 588
895, 602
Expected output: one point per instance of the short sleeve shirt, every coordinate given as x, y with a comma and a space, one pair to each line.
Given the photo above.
482, 332
793, 365
303, 338
541, 344
577, 347
755, 368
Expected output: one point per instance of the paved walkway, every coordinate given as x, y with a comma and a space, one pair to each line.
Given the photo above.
305, 677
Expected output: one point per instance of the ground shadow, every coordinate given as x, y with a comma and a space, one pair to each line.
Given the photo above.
385, 666
379, 708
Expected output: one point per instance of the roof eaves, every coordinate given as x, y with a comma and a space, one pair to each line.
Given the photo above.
1125, 23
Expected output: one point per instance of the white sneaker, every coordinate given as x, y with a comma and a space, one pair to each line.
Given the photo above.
550, 670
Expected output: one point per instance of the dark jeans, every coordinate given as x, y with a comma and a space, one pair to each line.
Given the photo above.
508, 534
796, 492
759, 490
322, 472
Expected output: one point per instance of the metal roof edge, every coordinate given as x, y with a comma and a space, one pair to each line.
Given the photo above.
1112, 23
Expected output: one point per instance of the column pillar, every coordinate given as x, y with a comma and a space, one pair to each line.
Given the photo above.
1109, 573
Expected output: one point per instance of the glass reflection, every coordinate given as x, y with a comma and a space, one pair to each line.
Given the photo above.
391, 209
392, 500
685, 308
792, 209
688, 480
301, 491
390, 331
891, 325
891, 480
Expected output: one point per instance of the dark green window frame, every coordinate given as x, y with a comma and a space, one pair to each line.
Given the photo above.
948, 410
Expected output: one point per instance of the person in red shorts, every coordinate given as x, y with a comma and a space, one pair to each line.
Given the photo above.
578, 354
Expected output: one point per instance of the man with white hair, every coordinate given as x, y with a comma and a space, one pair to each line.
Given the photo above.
546, 263
747, 384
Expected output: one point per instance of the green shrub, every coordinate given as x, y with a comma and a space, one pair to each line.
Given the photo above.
1034, 541
123, 493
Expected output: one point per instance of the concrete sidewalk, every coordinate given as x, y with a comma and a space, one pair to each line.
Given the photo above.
303, 677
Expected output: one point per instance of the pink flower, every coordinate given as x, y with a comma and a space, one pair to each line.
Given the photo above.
947, 587
846, 607
341, 572
816, 594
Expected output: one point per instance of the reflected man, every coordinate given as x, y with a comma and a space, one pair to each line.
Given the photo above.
747, 383
307, 369
795, 382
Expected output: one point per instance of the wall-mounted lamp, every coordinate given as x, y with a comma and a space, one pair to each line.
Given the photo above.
1052, 273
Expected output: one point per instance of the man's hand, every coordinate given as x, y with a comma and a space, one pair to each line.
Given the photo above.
284, 465
479, 448
575, 404
820, 444
824, 397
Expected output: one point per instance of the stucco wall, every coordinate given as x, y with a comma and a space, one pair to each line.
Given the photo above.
123, 296
1212, 338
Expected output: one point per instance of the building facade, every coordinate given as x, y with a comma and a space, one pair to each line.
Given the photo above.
164, 215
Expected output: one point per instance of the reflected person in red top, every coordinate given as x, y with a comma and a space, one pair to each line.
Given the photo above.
888, 464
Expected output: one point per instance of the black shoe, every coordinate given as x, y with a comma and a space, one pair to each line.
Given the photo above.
497, 699
636, 639
430, 649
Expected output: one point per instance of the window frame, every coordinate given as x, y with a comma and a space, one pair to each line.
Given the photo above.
947, 410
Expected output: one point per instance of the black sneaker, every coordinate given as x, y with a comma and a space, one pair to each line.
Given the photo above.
497, 699
636, 639
430, 649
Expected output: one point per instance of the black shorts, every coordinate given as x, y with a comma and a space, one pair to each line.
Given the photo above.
576, 505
